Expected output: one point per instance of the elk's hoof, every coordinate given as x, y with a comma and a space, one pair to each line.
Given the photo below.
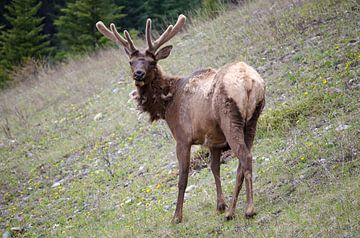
250, 215
229, 216
250, 212
176, 220
221, 207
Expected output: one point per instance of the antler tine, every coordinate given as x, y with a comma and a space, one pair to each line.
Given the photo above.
114, 35
148, 35
105, 31
118, 36
129, 40
167, 35
179, 24
162, 39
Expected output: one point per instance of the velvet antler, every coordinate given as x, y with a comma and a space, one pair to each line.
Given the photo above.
165, 37
114, 35
128, 44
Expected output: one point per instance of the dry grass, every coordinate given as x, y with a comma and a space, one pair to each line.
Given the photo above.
72, 82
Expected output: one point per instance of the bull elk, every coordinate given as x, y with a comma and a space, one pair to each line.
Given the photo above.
212, 107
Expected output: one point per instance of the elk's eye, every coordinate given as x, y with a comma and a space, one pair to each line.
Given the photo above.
153, 63
131, 63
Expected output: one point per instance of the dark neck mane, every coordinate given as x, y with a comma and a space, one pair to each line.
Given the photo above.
155, 96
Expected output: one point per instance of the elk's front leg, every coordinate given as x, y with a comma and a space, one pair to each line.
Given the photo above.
183, 155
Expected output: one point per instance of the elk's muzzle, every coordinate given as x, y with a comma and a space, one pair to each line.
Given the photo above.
139, 77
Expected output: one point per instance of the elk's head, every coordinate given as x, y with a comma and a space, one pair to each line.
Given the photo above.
143, 63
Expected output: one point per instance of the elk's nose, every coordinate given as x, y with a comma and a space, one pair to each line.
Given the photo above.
139, 74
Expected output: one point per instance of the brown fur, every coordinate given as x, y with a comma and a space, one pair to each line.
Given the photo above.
211, 107
155, 96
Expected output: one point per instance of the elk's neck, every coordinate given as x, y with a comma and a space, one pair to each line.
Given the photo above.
156, 96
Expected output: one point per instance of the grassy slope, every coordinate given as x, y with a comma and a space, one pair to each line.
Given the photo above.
118, 174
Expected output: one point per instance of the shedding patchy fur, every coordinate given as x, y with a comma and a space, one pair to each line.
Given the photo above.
154, 97
200, 81
245, 86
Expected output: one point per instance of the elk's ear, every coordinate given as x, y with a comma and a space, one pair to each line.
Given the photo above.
163, 53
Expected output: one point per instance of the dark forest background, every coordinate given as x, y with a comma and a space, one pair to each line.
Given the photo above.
38, 31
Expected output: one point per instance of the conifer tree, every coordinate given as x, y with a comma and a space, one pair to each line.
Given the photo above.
24, 39
174, 7
3, 71
161, 11
76, 27
211, 6
135, 14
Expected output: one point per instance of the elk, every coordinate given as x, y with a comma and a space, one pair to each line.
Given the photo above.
212, 107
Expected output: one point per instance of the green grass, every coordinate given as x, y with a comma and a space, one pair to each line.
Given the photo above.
117, 175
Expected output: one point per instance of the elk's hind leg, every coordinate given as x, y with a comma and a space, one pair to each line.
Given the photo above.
250, 127
215, 168
244, 171
233, 127
249, 132
239, 181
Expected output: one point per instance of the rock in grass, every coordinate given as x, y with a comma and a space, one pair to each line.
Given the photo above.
115, 90
322, 161
6, 234
57, 184
171, 165
167, 208
142, 170
342, 127
16, 229
190, 188
98, 117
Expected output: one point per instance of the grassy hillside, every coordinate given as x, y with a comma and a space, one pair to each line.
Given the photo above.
77, 160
